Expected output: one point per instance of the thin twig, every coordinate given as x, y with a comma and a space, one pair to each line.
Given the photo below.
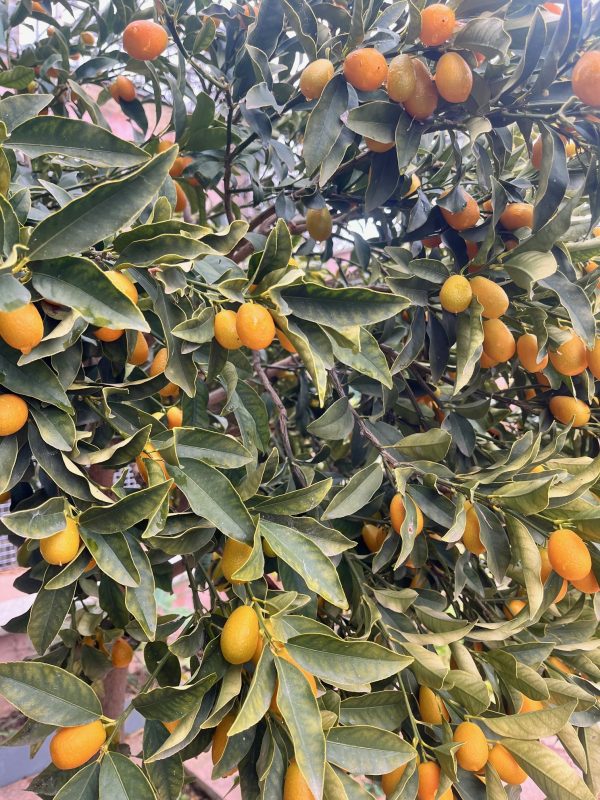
282, 417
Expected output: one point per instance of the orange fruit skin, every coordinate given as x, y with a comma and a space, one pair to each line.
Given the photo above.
429, 782
240, 635
315, 78
373, 536
585, 78
593, 359
140, 352
546, 569
537, 151
127, 287
528, 350
285, 342
219, 741
171, 726
294, 785
378, 147
398, 514
506, 765
401, 78
390, 780
517, 215
473, 754
225, 330
528, 705
366, 69
490, 296
144, 40
466, 218
319, 223
174, 417
235, 554
180, 199
498, 341
255, 326
456, 294
72, 747
431, 707
150, 452
180, 165
472, 534
514, 607
485, 362
22, 328
587, 585
87, 37
565, 409
423, 101
159, 362
437, 24
453, 78
570, 358
121, 654
123, 89
432, 241
569, 555
63, 546
13, 414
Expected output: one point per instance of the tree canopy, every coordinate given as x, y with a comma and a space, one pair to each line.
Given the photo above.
321, 278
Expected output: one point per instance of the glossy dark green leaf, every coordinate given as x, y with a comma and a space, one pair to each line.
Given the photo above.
18, 108
341, 308
48, 613
83, 785
357, 493
211, 447
549, 771
127, 512
121, 779
99, 213
166, 776
74, 138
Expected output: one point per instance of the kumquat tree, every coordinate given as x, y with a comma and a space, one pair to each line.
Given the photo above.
321, 277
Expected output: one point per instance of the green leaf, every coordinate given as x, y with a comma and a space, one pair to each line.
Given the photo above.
212, 496
18, 108
361, 749
384, 709
469, 345
377, 120
213, 448
32, 380
369, 360
340, 308
39, 522
47, 615
484, 35
141, 600
550, 772
335, 423
101, 212
352, 663
16, 78
83, 785
113, 556
74, 138
324, 124
258, 699
82, 285
518, 675
297, 502
300, 712
527, 552
127, 512
305, 558
48, 694
532, 725
528, 268
277, 252
167, 775
431, 446
121, 779
357, 493
168, 703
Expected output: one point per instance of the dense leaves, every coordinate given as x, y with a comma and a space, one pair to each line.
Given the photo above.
368, 462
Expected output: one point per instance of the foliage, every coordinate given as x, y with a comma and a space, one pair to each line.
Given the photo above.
285, 453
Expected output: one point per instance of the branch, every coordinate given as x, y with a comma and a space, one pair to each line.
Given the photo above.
283, 417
